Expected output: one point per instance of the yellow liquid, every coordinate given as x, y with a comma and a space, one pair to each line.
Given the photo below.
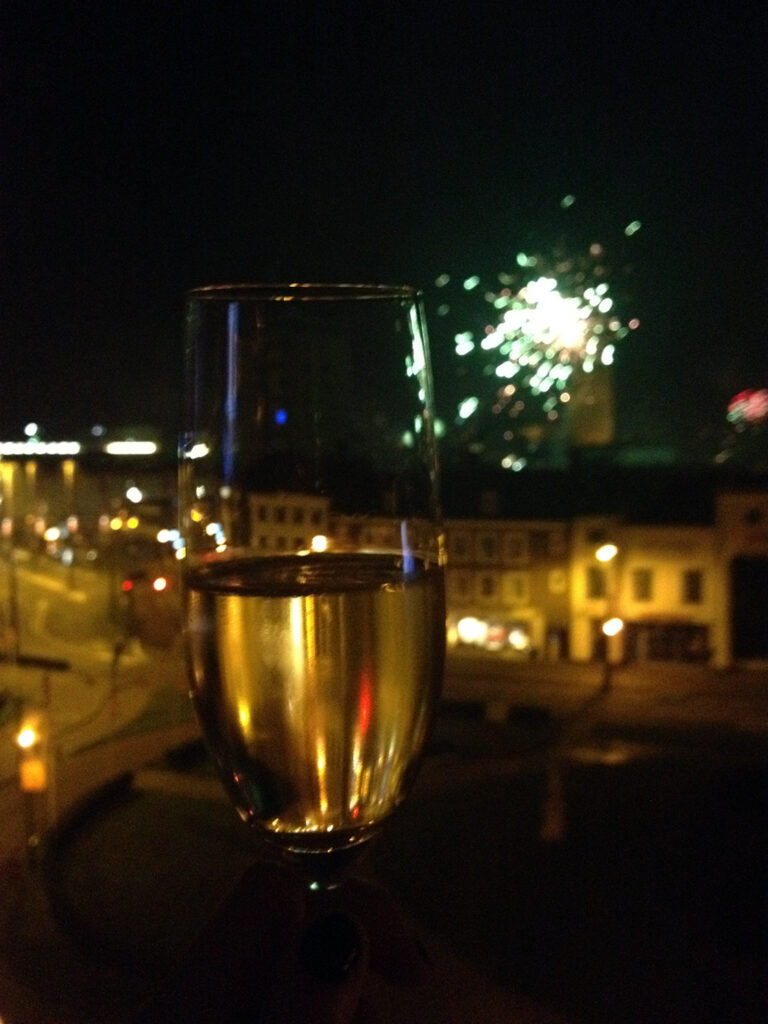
315, 680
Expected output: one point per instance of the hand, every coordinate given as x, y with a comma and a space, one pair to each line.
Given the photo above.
274, 954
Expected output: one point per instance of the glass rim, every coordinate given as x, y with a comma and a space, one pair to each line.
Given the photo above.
301, 292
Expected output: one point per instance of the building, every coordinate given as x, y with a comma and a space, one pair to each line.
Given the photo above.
507, 585
682, 592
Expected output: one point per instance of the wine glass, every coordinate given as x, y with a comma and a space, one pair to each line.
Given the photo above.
314, 553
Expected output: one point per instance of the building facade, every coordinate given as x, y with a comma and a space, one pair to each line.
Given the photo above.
692, 593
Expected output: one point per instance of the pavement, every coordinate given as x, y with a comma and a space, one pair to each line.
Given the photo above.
585, 860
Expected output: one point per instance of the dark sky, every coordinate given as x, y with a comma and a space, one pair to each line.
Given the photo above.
148, 148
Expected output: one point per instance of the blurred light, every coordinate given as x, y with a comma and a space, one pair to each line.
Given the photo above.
130, 448
198, 451
212, 529
134, 494
632, 228
127, 586
606, 552
442, 280
471, 630
567, 201
160, 583
67, 556
197, 515
467, 407
463, 343
611, 627
98, 431
33, 447
518, 639
471, 282
52, 533
281, 416
319, 542
27, 738
31, 430
132, 522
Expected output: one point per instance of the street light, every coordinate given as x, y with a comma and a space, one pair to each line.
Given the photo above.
613, 625
606, 552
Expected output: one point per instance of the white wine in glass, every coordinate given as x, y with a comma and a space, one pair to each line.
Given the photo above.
314, 555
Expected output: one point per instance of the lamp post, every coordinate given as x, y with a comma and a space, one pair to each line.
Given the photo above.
612, 626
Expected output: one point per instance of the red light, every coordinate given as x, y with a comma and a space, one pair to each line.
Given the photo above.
127, 585
364, 703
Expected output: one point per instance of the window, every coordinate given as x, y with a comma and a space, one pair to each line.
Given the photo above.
459, 545
487, 585
516, 587
488, 547
642, 584
317, 516
280, 514
262, 513
693, 586
540, 542
462, 584
596, 582
517, 547
298, 515
557, 581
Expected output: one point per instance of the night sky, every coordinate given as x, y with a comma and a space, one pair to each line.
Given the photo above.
149, 148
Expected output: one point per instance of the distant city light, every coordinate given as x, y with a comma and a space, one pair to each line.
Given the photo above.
632, 228
281, 416
34, 447
134, 494
198, 451
31, 430
130, 448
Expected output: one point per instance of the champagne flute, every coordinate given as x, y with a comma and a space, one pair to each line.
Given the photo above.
314, 553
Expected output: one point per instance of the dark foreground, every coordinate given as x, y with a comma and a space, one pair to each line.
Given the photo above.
618, 877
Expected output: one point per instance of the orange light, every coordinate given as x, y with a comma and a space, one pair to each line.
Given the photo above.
160, 583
